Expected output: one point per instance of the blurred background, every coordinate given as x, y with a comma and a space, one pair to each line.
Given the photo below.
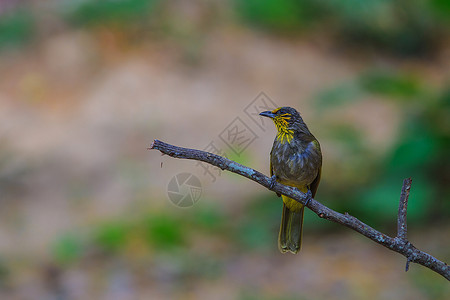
85, 86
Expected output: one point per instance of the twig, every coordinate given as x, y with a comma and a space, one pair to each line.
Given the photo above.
401, 219
398, 244
402, 208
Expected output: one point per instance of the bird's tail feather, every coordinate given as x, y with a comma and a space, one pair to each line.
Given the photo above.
291, 230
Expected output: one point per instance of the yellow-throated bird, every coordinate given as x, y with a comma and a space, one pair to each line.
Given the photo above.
295, 160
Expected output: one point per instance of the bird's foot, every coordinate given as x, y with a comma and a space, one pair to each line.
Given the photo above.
308, 197
272, 182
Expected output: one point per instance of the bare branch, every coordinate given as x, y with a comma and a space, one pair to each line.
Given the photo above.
398, 244
403, 206
401, 219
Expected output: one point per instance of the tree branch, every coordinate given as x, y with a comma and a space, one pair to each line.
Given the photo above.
401, 219
403, 206
399, 244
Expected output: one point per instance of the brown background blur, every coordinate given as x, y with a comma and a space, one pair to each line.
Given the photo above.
85, 86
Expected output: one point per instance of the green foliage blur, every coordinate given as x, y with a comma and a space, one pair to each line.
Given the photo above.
419, 150
91, 13
286, 16
399, 27
363, 179
16, 29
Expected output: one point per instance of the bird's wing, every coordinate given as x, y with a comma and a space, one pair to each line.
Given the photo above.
271, 170
315, 184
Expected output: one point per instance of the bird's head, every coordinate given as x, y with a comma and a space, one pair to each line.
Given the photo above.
283, 117
287, 120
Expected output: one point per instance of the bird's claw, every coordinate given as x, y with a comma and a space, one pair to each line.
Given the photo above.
308, 197
272, 182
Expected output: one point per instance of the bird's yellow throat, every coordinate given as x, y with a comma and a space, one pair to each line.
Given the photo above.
284, 133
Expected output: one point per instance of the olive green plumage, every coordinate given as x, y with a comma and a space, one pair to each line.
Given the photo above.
295, 160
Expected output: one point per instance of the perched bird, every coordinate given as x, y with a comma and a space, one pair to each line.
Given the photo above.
295, 160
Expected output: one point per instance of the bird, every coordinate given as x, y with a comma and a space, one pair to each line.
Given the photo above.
295, 160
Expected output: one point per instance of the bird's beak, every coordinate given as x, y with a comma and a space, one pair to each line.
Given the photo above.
267, 114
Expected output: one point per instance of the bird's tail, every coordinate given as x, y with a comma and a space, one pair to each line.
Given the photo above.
291, 229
